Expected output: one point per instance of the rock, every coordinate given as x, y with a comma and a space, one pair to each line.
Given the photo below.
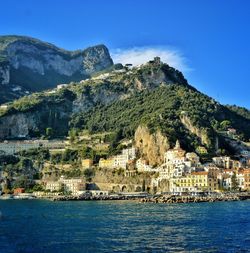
151, 146
36, 65
202, 134
4, 73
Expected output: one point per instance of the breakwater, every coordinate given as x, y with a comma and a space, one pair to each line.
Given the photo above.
171, 199
102, 197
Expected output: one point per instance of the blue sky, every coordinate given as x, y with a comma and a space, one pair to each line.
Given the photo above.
208, 40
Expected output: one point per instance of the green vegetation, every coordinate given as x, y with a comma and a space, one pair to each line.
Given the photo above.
225, 124
89, 174
162, 109
240, 111
235, 184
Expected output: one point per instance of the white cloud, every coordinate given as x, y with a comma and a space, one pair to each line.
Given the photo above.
140, 55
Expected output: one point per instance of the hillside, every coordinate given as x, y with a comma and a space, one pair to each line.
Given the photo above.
153, 95
28, 65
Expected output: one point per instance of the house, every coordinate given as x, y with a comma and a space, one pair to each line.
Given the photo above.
194, 182
73, 185
193, 158
246, 179
19, 190
12, 147
61, 86
120, 161
227, 182
106, 163
143, 166
222, 161
53, 186
240, 179
175, 155
245, 153
87, 163
231, 132
4, 107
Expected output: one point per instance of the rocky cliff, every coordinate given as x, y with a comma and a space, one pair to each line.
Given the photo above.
4, 72
35, 65
151, 146
201, 133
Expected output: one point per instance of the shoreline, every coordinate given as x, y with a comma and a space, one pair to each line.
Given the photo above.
192, 199
167, 199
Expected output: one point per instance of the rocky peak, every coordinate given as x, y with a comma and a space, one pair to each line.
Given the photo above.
37, 65
96, 58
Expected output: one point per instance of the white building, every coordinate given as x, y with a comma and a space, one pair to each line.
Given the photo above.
175, 155
61, 86
4, 107
143, 166
73, 185
120, 161
222, 161
240, 179
12, 147
53, 186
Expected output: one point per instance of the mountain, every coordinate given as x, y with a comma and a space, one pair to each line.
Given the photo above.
152, 103
28, 65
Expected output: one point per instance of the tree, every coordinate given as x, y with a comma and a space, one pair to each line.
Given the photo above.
72, 135
49, 132
225, 124
89, 174
87, 153
143, 185
38, 187
24, 182
235, 184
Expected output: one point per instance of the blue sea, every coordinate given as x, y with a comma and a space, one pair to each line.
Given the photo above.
35, 226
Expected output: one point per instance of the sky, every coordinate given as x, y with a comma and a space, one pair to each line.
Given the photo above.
208, 40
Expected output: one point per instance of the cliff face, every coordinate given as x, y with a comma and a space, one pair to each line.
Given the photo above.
202, 134
4, 73
151, 146
35, 65
31, 123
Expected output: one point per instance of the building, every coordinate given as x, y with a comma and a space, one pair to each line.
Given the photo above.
240, 179
231, 132
175, 155
245, 153
143, 166
247, 179
53, 186
87, 163
19, 190
120, 161
98, 193
12, 147
106, 163
61, 86
3, 107
223, 162
193, 158
194, 182
73, 185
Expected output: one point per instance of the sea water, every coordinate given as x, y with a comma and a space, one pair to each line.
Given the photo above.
36, 226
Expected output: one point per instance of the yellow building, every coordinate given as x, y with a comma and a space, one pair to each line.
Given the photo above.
106, 163
87, 163
194, 182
